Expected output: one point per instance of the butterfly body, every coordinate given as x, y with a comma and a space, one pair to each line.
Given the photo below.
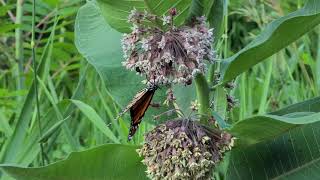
138, 106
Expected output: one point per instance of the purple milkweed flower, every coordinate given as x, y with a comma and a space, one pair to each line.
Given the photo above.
184, 149
167, 55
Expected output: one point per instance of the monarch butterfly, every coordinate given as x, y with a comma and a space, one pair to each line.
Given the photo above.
138, 106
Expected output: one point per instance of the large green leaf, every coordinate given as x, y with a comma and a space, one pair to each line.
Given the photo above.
100, 45
277, 35
112, 161
294, 155
311, 105
260, 128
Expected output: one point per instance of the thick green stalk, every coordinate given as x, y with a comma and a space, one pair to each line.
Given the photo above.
19, 46
203, 91
211, 72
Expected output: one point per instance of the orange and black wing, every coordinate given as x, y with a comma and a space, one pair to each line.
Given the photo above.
138, 110
136, 98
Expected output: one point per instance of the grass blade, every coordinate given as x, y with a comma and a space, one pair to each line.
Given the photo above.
95, 119
73, 143
13, 144
263, 101
52, 130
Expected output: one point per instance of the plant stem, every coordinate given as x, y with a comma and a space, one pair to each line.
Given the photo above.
34, 63
19, 45
211, 72
203, 91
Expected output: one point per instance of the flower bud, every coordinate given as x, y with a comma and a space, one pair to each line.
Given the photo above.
173, 11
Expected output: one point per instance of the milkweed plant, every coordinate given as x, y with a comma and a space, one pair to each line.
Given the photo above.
199, 108
166, 55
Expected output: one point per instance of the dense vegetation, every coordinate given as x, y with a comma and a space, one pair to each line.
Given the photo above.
80, 89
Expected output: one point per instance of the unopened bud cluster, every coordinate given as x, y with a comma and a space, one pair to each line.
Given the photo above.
164, 53
183, 149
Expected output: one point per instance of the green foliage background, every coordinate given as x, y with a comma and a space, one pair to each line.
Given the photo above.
82, 87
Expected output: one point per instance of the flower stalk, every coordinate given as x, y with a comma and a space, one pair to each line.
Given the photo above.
203, 94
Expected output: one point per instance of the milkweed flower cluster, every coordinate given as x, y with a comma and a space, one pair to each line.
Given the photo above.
164, 53
184, 149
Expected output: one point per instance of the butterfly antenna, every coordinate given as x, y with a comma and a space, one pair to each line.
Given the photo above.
121, 114
118, 117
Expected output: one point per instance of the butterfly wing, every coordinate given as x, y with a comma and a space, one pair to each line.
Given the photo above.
138, 110
133, 102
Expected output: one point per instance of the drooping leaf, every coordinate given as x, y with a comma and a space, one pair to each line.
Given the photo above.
276, 36
111, 161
